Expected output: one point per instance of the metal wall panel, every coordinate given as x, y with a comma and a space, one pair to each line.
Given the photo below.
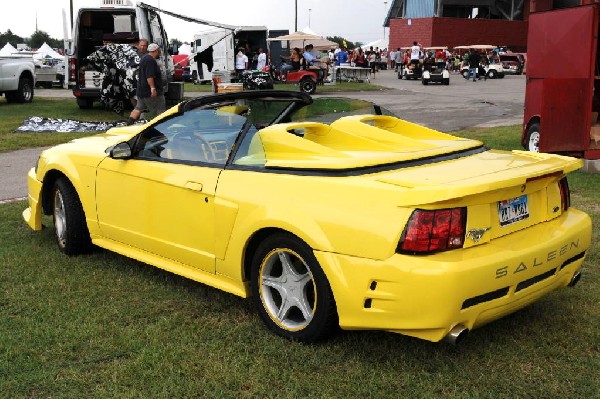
419, 8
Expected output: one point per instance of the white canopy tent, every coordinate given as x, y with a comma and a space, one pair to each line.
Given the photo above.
8, 50
45, 51
381, 43
300, 39
320, 44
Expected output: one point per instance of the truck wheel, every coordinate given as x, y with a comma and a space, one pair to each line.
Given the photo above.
308, 86
533, 137
84, 103
491, 74
24, 94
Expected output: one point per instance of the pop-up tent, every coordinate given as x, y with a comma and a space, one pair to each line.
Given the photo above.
300, 39
45, 51
381, 44
8, 50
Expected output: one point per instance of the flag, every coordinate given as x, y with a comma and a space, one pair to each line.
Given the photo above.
344, 43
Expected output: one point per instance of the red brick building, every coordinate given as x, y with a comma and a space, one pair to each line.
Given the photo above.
461, 22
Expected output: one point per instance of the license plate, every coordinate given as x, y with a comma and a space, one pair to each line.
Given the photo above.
513, 210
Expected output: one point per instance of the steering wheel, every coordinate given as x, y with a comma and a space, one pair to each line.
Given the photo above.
190, 146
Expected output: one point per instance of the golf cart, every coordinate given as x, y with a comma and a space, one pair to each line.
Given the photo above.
414, 70
434, 71
487, 69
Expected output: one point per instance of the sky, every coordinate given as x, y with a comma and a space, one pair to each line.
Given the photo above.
354, 20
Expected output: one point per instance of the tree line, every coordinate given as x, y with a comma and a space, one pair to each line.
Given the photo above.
35, 41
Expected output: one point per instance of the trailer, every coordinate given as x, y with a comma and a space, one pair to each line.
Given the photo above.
215, 50
562, 97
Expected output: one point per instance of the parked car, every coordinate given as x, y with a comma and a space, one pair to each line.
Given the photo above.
512, 64
327, 212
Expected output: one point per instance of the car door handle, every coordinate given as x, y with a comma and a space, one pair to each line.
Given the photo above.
194, 186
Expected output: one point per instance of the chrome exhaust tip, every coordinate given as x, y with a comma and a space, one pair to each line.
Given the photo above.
457, 334
575, 279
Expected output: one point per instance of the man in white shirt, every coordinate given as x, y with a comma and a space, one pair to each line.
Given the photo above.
241, 62
262, 59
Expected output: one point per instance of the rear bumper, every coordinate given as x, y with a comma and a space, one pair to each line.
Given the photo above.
93, 94
425, 296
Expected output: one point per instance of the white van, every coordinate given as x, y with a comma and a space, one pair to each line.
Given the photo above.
115, 21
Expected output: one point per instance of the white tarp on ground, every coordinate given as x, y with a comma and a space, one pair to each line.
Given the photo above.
8, 50
45, 51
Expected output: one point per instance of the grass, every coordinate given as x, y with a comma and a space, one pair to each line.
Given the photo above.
13, 115
106, 326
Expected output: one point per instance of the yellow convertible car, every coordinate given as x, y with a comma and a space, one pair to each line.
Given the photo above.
328, 213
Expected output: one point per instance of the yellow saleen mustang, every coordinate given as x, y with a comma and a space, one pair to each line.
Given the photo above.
355, 219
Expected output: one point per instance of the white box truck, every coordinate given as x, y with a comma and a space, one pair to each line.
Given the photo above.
114, 21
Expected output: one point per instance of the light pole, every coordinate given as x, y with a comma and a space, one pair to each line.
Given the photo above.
309, 10
295, 15
384, 15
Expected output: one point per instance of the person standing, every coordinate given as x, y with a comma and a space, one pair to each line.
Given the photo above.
150, 93
262, 59
398, 60
474, 59
241, 62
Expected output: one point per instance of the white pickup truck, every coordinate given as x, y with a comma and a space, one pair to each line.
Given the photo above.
17, 78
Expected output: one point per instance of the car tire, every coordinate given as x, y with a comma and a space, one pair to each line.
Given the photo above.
446, 81
533, 138
70, 228
425, 81
308, 86
23, 94
491, 74
290, 290
84, 103
466, 74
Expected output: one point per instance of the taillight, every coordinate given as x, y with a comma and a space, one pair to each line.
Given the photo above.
73, 69
433, 231
565, 193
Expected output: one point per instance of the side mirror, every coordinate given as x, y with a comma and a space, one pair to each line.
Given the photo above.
121, 151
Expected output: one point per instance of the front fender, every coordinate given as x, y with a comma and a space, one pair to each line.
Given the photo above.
81, 172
